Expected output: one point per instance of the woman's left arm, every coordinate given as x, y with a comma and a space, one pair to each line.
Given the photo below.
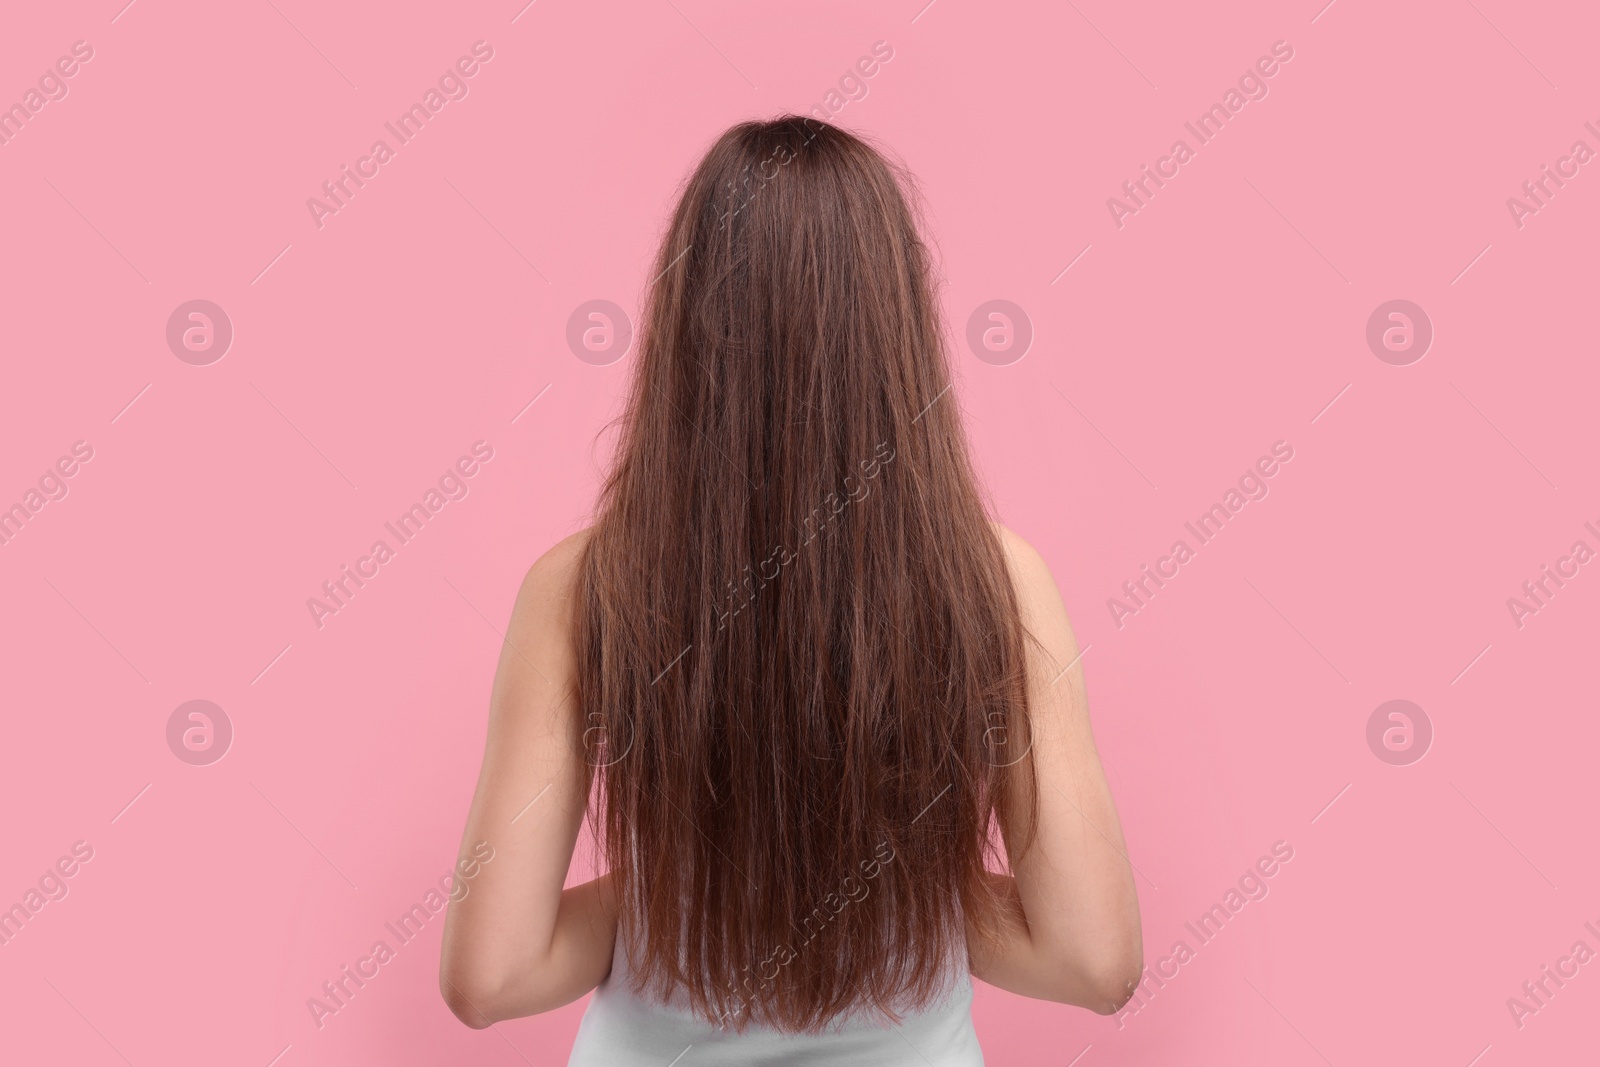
515, 943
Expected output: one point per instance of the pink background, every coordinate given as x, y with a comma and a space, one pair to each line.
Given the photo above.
370, 353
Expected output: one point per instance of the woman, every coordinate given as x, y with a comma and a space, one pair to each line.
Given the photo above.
814, 700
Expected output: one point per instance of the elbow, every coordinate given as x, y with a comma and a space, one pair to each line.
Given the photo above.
465, 1007
481, 997
469, 999
1111, 983
1111, 995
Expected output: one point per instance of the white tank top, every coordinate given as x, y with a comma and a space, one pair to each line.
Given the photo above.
621, 1029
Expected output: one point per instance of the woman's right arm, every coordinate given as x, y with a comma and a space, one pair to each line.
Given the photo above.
517, 943
1073, 932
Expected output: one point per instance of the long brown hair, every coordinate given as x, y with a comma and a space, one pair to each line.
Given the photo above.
800, 654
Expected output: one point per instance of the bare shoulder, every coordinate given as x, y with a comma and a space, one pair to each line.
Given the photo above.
545, 612
555, 573
1029, 572
1038, 597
